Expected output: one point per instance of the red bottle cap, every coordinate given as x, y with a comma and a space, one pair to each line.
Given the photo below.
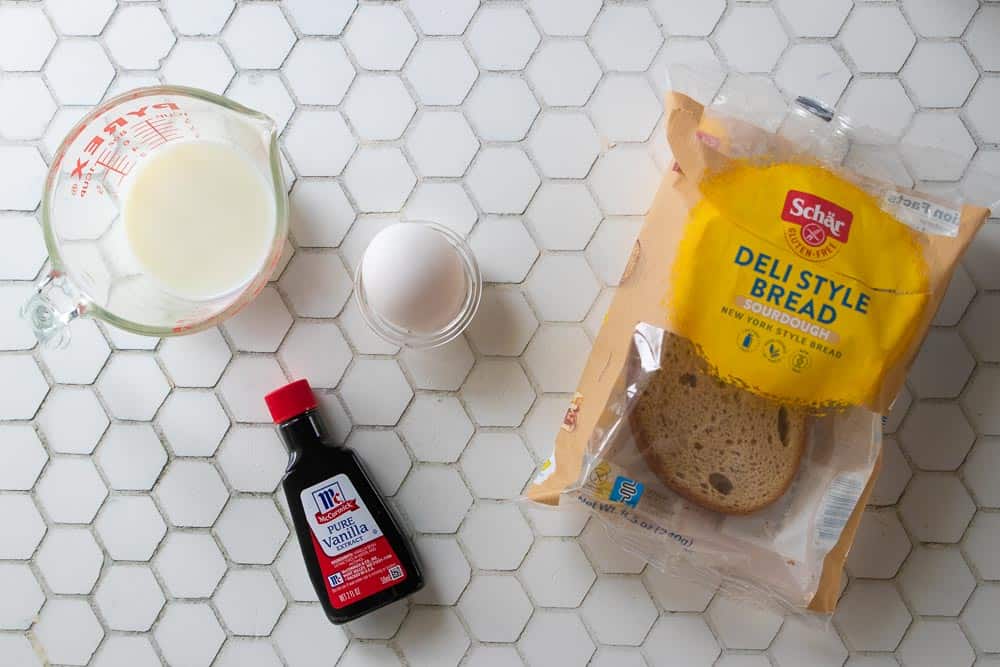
290, 401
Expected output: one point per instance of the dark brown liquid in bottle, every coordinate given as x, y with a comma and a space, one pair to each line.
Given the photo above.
357, 558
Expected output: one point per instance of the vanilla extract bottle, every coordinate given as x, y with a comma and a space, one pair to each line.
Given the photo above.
355, 553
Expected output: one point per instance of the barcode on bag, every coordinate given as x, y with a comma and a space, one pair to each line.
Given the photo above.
836, 508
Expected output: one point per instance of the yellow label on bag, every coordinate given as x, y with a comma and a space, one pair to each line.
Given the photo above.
796, 285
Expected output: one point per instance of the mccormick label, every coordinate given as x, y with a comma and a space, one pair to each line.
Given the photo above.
353, 553
819, 227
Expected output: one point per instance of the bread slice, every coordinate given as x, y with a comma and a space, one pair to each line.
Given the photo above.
715, 444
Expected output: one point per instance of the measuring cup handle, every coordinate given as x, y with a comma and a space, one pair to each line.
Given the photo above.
55, 304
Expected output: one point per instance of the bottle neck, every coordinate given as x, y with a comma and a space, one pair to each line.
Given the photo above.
304, 432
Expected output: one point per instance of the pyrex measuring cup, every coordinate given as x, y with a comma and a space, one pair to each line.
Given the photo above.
93, 270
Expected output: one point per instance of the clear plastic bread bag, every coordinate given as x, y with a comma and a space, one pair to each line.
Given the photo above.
775, 554
831, 337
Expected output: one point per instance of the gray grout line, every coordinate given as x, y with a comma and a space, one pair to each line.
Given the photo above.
477, 356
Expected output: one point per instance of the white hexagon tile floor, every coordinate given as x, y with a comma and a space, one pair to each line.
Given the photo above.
140, 517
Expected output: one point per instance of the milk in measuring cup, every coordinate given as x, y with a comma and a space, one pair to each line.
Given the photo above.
199, 218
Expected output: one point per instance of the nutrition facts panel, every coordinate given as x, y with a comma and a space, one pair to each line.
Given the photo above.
141, 521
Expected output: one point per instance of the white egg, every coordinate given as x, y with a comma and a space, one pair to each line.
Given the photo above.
414, 277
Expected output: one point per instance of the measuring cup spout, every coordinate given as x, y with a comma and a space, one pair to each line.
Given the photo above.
55, 304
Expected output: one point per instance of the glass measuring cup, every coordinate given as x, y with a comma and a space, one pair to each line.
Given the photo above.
93, 270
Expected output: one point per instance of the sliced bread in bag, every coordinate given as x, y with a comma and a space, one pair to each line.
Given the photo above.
715, 444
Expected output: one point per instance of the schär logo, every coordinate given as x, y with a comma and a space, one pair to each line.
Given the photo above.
818, 226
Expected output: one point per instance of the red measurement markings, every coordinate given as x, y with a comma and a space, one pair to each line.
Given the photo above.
156, 132
114, 137
115, 164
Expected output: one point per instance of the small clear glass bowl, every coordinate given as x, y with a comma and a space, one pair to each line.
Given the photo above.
398, 335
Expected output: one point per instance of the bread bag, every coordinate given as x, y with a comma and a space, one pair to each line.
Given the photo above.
729, 414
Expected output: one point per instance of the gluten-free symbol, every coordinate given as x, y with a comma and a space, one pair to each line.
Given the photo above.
813, 234
749, 340
774, 350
